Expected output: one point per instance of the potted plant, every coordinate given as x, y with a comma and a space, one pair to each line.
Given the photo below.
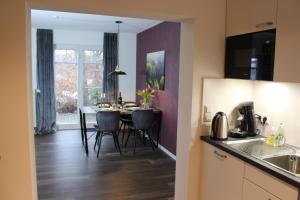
147, 94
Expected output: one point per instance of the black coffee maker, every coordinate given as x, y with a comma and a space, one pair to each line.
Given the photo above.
247, 121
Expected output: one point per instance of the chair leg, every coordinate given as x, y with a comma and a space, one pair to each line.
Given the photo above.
140, 134
123, 136
99, 145
129, 133
115, 140
117, 143
96, 139
135, 134
122, 124
144, 137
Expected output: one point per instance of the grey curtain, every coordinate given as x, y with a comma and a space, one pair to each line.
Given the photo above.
45, 96
110, 60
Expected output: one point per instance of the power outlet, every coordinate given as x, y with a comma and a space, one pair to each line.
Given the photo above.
265, 115
207, 114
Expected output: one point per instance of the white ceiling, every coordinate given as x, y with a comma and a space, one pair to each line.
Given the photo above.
88, 22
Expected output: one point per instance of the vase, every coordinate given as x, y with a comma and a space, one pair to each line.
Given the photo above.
146, 105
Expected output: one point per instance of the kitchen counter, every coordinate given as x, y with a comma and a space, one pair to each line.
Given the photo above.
280, 174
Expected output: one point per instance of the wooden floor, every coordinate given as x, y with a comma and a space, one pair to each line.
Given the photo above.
64, 172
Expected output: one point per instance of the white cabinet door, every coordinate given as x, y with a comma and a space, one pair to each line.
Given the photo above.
252, 191
221, 175
246, 16
287, 56
272, 185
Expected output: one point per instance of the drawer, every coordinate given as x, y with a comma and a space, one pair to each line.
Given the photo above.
271, 184
252, 191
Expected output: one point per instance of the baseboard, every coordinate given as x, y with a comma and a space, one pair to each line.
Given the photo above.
167, 151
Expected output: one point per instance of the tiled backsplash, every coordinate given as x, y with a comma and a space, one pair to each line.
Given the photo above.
280, 102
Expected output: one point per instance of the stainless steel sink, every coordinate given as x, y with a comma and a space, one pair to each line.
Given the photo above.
288, 163
286, 158
258, 148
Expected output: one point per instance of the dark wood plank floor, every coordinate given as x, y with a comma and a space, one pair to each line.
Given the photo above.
64, 172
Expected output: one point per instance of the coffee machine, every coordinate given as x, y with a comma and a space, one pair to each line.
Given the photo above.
247, 122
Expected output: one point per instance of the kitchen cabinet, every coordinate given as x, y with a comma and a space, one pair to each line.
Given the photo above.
247, 16
287, 59
251, 56
226, 177
252, 191
221, 175
270, 184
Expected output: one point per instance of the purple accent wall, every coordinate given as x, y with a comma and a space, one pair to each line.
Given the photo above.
164, 36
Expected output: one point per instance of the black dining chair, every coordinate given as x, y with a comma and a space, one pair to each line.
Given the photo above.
142, 124
107, 124
126, 119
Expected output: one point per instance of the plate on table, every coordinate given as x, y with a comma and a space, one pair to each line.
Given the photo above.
104, 105
132, 108
104, 109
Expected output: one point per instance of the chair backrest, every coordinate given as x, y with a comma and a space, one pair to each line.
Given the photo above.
128, 104
108, 120
142, 119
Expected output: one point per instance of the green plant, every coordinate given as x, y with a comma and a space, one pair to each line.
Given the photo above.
146, 94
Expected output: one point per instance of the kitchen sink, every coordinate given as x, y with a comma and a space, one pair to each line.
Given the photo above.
286, 157
258, 148
289, 163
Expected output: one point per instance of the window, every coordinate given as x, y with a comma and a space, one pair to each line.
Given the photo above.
66, 88
78, 80
92, 76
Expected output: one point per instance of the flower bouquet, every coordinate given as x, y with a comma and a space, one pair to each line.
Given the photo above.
147, 94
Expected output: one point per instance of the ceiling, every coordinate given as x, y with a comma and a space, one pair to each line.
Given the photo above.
88, 22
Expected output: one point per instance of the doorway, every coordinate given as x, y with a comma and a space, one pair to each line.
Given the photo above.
78, 83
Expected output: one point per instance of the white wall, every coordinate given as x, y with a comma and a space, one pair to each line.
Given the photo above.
17, 159
278, 101
281, 103
127, 51
127, 83
223, 95
78, 37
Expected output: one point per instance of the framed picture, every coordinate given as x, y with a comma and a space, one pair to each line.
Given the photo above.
155, 70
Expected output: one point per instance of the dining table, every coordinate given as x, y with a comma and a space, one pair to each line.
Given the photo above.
124, 112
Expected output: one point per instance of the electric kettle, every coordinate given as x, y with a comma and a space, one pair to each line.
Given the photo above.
219, 127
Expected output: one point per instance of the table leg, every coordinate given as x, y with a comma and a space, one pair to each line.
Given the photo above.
81, 126
85, 135
158, 128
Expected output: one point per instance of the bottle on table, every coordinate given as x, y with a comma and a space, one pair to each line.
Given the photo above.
120, 99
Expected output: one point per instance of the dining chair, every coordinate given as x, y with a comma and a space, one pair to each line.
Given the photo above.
142, 124
107, 124
126, 120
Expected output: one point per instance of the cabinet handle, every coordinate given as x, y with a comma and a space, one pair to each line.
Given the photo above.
263, 25
220, 155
